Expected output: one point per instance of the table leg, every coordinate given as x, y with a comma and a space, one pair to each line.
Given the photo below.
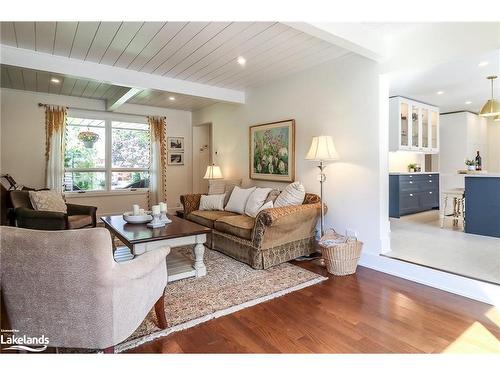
199, 249
113, 245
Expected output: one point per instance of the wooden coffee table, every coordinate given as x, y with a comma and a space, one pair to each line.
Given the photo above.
180, 232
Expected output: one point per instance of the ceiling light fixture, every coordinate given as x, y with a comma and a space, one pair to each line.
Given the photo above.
492, 107
172, 98
440, 92
468, 102
242, 60
483, 63
55, 80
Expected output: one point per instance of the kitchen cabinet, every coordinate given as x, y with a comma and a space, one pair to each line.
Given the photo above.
412, 193
413, 126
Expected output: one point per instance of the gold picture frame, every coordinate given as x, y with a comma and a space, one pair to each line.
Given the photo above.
272, 151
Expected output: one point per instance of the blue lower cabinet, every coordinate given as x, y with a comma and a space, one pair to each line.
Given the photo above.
409, 194
482, 205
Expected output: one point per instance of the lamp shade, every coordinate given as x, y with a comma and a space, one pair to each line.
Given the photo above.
213, 172
322, 148
490, 109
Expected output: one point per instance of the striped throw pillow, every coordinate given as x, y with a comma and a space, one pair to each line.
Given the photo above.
293, 195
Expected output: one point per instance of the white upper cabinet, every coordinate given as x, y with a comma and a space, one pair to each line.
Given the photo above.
413, 126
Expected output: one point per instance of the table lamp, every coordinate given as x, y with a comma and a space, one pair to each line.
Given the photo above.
322, 149
213, 172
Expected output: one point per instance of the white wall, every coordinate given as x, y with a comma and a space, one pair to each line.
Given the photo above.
340, 99
399, 160
461, 135
23, 143
493, 146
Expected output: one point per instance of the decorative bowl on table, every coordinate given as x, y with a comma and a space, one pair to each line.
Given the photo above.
130, 218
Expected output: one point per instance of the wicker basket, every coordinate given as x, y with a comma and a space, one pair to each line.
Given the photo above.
341, 254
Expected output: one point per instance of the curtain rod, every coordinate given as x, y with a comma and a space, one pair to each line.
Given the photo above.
95, 110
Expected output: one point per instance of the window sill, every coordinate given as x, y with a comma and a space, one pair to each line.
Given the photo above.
106, 193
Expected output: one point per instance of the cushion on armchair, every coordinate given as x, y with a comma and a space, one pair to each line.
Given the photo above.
47, 200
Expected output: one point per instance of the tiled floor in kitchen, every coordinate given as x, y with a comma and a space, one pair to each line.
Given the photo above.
419, 239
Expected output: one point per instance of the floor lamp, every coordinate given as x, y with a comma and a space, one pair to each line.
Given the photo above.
322, 149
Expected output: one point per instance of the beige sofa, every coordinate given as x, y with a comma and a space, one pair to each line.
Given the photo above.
275, 236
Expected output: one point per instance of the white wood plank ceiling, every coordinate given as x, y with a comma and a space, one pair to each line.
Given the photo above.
201, 52
38, 81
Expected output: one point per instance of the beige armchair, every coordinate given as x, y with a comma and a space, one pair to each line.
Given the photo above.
65, 285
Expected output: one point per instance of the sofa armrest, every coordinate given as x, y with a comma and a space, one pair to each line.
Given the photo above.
78, 209
285, 224
191, 202
42, 220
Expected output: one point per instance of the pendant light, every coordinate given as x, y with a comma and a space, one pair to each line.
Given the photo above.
492, 106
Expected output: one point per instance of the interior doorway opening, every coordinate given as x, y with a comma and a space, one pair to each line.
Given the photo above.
432, 127
202, 155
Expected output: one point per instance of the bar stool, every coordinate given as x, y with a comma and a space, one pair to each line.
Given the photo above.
458, 215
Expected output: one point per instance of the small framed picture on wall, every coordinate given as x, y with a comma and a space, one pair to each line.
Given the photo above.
175, 143
175, 158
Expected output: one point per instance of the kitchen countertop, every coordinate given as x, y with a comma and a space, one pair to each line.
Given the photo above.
408, 173
484, 175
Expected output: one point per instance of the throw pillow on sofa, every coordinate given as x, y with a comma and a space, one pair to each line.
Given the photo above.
238, 200
47, 200
256, 200
212, 202
266, 205
293, 195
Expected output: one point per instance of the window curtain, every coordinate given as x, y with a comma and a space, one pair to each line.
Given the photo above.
55, 128
158, 176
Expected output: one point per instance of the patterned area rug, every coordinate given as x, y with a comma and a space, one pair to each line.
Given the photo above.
229, 286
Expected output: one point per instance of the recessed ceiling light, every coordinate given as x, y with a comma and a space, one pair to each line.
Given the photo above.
483, 63
468, 102
55, 80
242, 60
440, 92
172, 98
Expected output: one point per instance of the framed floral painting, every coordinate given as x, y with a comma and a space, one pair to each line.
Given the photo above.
272, 151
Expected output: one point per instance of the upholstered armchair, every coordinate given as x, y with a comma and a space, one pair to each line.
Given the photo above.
65, 285
78, 216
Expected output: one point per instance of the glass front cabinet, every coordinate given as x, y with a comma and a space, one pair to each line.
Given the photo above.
413, 126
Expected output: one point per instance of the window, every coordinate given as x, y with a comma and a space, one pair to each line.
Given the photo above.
104, 154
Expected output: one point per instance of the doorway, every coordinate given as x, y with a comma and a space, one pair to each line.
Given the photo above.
202, 155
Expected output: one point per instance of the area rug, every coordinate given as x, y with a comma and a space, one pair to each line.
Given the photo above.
229, 286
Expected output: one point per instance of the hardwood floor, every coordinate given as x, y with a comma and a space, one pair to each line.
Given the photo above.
370, 312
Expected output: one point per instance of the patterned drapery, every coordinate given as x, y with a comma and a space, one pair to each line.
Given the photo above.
55, 127
158, 177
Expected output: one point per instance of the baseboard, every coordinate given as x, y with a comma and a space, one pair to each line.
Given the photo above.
473, 289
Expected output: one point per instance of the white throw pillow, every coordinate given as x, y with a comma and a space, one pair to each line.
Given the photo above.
212, 202
47, 200
256, 200
293, 195
266, 205
238, 200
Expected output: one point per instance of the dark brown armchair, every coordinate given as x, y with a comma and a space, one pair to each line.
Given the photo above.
78, 216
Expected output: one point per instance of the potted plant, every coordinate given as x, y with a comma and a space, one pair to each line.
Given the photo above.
471, 164
412, 167
88, 138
